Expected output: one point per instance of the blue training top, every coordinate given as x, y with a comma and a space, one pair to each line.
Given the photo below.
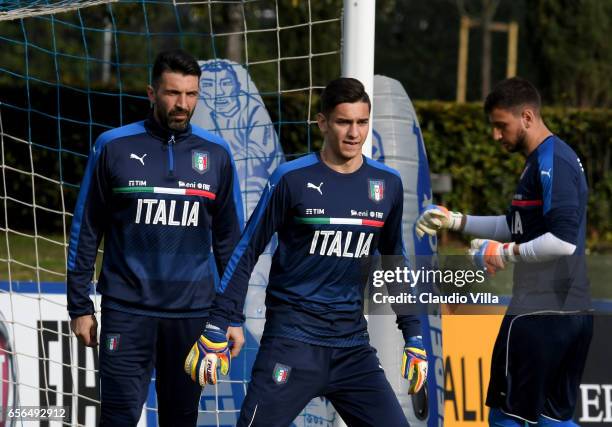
161, 199
551, 196
328, 224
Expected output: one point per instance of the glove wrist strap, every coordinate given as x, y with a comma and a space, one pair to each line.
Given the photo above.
455, 219
508, 252
211, 327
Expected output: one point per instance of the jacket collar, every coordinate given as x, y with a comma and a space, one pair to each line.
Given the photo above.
162, 132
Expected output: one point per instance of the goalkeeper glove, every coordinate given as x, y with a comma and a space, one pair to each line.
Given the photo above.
491, 255
414, 364
209, 353
435, 218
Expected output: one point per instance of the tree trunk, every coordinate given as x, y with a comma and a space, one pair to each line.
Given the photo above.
488, 9
234, 48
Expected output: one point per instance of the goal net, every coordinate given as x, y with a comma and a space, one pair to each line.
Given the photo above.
70, 70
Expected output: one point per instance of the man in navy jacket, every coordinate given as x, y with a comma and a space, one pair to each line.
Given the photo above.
162, 193
332, 211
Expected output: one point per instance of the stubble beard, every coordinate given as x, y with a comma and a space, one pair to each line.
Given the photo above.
521, 143
166, 119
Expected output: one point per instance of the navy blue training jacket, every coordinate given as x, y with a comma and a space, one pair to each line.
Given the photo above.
329, 225
161, 199
551, 196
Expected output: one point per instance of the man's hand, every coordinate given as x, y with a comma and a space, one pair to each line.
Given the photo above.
414, 364
236, 336
491, 255
436, 218
86, 329
209, 353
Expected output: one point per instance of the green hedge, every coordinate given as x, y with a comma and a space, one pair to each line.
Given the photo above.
459, 142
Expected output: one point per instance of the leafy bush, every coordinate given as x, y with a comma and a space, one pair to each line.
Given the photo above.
458, 140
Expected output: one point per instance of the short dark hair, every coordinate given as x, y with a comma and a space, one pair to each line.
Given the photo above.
177, 61
510, 94
344, 89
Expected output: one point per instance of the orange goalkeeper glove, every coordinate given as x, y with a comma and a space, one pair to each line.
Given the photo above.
209, 354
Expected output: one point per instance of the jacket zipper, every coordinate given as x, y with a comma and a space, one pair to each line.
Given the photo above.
171, 143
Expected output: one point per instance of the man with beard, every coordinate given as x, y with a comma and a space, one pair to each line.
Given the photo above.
541, 349
162, 193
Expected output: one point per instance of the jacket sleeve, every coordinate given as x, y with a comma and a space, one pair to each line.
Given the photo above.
561, 199
88, 225
391, 247
228, 219
269, 215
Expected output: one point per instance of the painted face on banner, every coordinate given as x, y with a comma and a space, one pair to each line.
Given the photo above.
220, 92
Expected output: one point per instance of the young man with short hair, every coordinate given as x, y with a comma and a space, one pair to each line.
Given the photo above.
162, 193
543, 341
315, 341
